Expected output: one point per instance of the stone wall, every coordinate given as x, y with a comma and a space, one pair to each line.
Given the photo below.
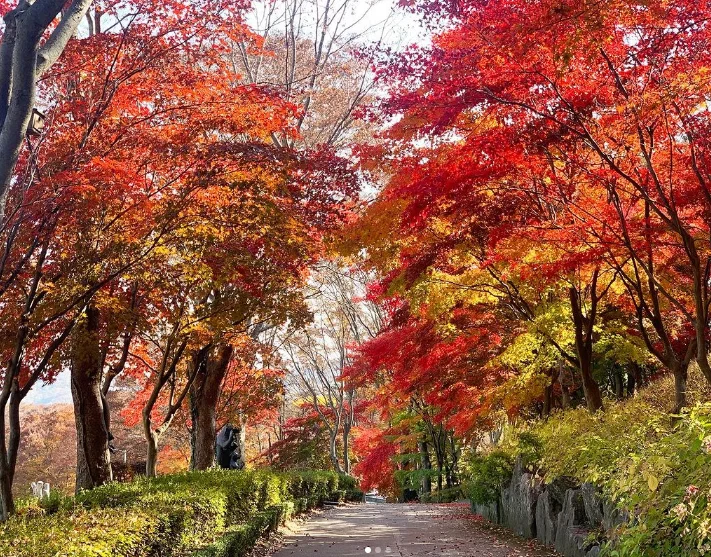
563, 515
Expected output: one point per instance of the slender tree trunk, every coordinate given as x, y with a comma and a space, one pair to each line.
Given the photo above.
426, 464
151, 453
619, 384
583, 346
204, 397
8, 459
455, 458
333, 454
631, 380
93, 457
7, 499
547, 400
242, 440
346, 457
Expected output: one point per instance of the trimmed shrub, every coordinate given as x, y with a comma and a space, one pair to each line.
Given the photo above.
219, 512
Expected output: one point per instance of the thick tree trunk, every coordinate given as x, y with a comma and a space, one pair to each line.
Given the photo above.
204, 396
680, 372
593, 396
93, 457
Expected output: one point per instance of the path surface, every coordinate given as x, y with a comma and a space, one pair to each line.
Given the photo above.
403, 531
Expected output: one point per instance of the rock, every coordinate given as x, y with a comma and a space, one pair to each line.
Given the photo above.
558, 487
571, 534
491, 512
612, 517
518, 502
593, 504
594, 551
547, 510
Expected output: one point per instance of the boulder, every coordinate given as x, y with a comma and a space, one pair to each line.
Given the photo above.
571, 535
612, 517
547, 510
558, 488
491, 512
592, 501
518, 502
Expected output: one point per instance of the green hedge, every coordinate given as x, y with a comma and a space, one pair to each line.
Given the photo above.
217, 513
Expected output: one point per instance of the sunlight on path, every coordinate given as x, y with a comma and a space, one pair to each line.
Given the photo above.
403, 531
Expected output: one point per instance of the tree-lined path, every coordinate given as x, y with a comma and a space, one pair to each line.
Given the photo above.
403, 531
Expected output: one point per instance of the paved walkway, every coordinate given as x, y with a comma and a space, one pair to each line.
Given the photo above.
403, 531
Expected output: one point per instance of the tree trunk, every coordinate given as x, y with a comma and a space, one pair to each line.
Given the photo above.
565, 401
680, 372
346, 457
333, 454
426, 464
455, 458
8, 460
584, 347
547, 400
619, 383
93, 457
204, 397
151, 454
631, 381
21, 64
593, 396
242, 442
7, 500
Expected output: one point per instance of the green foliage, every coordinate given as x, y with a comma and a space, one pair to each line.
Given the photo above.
673, 514
487, 475
446, 495
654, 466
218, 513
355, 496
412, 479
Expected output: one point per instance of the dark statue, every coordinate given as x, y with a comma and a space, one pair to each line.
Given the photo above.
227, 448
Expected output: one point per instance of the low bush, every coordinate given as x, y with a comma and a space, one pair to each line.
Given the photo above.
217, 513
654, 466
487, 475
446, 495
